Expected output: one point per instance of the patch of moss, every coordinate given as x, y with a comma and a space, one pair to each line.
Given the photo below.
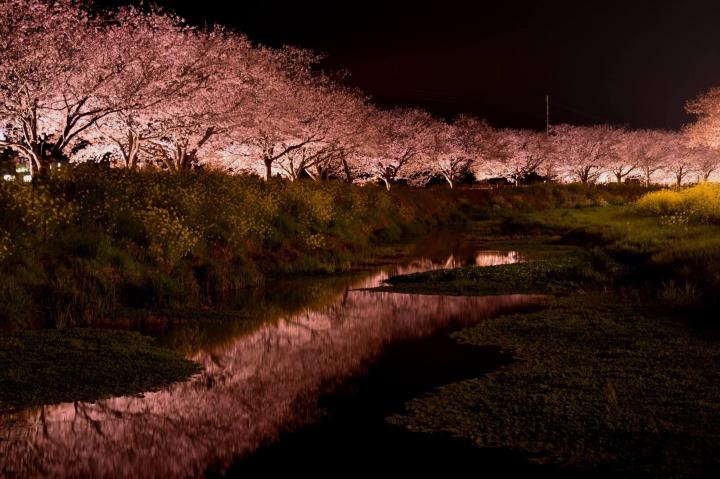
553, 275
600, 380
51, 366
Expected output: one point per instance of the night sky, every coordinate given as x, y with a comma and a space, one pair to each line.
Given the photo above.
632, 63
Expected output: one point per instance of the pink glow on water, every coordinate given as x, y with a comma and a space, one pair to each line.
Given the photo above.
250, 389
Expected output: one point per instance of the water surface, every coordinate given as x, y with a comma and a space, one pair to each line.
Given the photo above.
259, 384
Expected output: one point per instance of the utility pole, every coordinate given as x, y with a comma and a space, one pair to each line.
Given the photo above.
547, 114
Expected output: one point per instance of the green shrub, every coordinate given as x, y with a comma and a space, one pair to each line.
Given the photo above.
678, 296
93, 241
169, 240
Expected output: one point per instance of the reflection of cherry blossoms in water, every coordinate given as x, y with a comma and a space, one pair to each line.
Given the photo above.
484, 258
454, 260
249, 390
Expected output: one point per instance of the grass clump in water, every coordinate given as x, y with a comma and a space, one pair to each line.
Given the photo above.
52, 366
554, 275
600, 381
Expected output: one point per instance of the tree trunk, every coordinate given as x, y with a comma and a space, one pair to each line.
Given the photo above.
133, 149
268, 169
36, 161
348, 172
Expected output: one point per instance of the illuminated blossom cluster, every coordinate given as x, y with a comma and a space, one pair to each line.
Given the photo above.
137, 87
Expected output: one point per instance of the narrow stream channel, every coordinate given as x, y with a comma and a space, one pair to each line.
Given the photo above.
307, 388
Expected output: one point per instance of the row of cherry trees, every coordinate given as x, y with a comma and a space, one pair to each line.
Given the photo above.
140, 87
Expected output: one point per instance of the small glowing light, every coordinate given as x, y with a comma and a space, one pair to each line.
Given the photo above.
27, 178
22, 169
7, 177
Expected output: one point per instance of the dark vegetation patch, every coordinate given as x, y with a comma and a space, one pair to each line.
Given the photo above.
554, 274
677, 263
621, 376
179, 256
85, 246
600, 380
52, 366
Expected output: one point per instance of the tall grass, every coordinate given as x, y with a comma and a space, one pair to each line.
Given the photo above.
544, 196
93, 241
86, 245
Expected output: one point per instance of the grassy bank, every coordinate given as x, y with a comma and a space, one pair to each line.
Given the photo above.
50, 366
613, 375
92, 242
141, 250
669, 247
557, 270
602, 381
83, 246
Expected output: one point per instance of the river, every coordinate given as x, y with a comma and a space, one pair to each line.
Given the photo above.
333, 366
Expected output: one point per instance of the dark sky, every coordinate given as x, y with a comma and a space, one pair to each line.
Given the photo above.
632, 63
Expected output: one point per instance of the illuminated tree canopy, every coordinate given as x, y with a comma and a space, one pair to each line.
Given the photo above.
139, 87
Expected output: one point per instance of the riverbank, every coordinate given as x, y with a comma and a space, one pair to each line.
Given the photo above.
601, 381
618, 375
52, 366
93, 243
142, 250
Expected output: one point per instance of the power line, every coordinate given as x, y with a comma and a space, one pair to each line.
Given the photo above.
590, 116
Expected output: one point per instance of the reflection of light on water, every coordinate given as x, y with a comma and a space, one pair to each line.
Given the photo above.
455, 260
250, 389
484, 258
496, 258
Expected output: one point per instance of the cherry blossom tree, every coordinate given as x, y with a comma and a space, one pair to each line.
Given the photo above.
335, 119
169, 69
681, 162
620, 164
141, 86
652, 149
447, 157
584, 151
660, 146
39, 51
349, 130
232, 87
144, 86
63, 71
457, 147
328, 161
314, 160
705, 130
519, 154
296, 112
395, 145
706, 161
